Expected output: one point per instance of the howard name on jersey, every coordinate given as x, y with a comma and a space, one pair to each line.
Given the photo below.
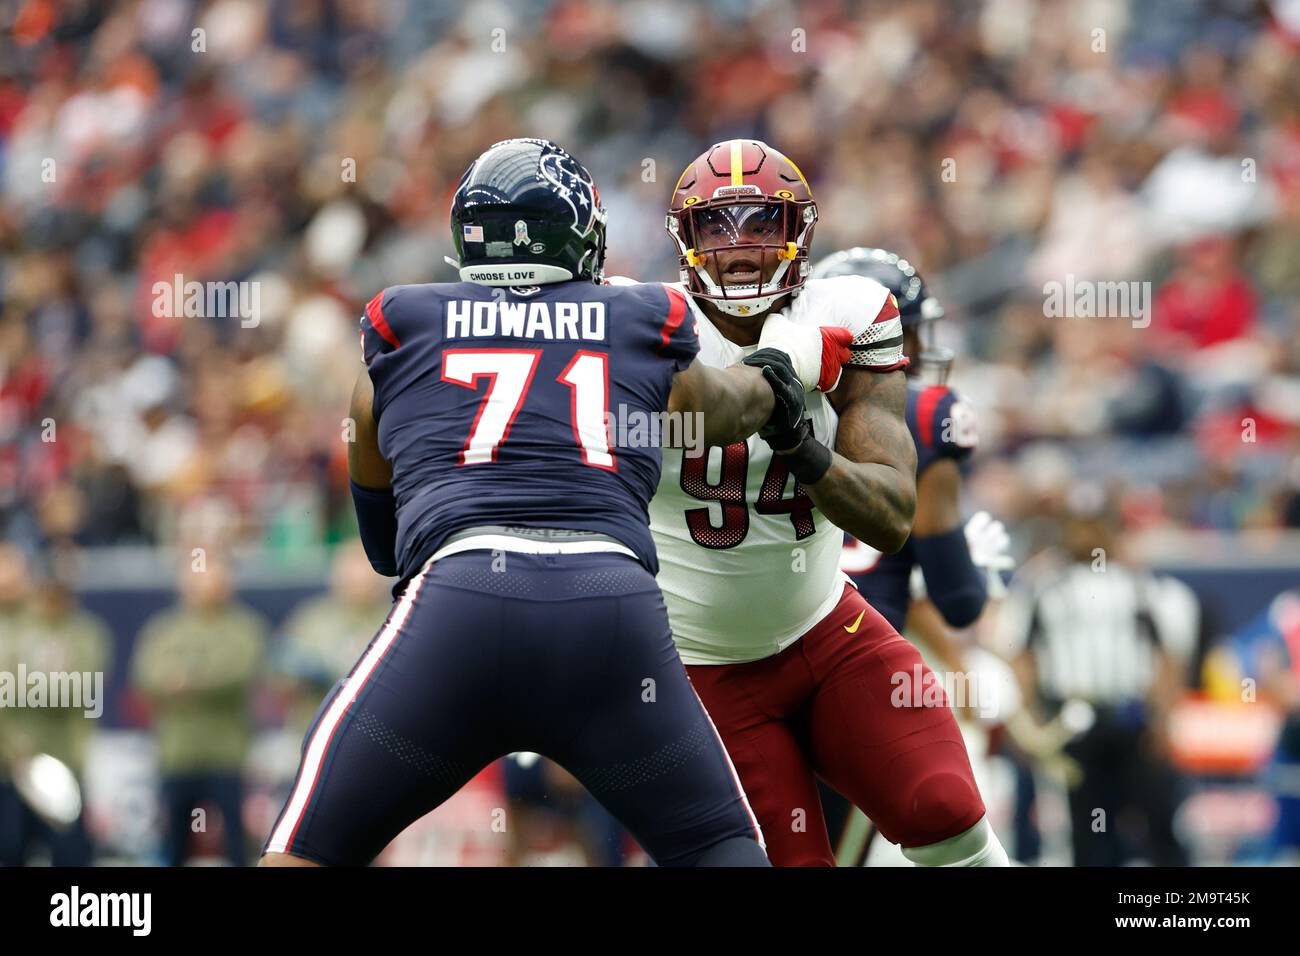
747, 562
942, 426
492, 405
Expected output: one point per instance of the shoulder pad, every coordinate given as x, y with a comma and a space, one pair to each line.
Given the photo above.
942, 423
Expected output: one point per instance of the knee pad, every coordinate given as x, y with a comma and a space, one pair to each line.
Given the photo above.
978, 846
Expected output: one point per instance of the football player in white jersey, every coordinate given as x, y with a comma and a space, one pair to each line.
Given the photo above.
801, 676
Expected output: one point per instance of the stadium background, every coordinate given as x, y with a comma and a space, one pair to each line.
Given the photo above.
311, 148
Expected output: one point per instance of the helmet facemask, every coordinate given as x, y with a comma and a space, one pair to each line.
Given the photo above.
935, 361
766, 236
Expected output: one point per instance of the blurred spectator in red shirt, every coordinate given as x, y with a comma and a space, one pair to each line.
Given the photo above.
1207, 300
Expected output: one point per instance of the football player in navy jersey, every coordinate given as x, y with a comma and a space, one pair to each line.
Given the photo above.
957, 563
486, 479
944, 430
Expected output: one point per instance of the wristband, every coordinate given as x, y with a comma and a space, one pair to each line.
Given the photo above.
811, 462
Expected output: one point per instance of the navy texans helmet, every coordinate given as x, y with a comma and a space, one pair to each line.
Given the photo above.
917, 309
527, 213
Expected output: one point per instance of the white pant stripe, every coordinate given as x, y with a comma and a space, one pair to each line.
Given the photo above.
309, 773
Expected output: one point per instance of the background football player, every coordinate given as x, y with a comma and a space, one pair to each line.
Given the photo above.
954, 559
793, 665
942, 577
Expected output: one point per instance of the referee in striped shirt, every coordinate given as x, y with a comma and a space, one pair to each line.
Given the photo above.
1084, 629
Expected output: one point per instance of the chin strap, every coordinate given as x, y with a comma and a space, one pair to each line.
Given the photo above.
747, 305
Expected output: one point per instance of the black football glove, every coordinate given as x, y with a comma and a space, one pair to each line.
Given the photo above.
784, 428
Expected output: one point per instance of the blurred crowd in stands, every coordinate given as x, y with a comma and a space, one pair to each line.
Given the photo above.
308, 149
311, 148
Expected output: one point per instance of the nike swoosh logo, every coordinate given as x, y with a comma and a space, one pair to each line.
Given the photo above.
853, 629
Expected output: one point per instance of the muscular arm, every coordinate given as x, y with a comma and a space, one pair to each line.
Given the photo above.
870, 489
938, 499
735, 402
366, 466
924, 620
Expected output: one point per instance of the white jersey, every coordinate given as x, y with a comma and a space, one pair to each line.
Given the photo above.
747, 564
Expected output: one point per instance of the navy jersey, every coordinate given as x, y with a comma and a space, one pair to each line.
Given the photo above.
942, 426
493, 404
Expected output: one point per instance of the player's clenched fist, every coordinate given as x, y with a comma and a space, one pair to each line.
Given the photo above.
783, 428
816, 353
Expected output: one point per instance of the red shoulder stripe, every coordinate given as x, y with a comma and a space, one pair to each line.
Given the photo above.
375, 313
676, 312
925, 406
887, 311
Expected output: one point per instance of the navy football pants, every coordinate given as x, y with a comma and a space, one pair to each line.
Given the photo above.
566, 655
